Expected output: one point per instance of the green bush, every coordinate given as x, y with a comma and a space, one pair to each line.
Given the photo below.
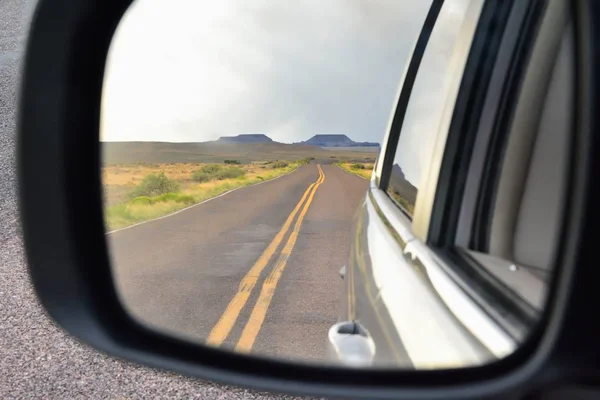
211, 168
186, 199
174, 197
229, 173
357, 166
201, 176
154, 185
142, 200
214, 171
279, 164
237, 162
163, 198
166, 197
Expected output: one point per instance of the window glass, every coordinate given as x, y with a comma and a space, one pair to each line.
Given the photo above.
429, 96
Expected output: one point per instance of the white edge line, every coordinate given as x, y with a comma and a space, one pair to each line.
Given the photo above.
202, 202
350, 173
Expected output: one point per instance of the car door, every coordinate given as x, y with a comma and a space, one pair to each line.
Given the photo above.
437, 277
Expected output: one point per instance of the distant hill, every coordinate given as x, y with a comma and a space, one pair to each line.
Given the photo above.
336, 140
246, 138
217, 151
402, 186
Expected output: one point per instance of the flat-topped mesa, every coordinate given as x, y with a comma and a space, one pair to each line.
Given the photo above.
246, 138
337, 140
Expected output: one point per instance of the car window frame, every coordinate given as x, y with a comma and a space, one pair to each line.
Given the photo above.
419, 221
515, 315
519, 319
390, 141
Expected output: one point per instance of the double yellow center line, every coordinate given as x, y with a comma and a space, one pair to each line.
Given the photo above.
223, 327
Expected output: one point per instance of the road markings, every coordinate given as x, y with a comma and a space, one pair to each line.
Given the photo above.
261, 307
221, 330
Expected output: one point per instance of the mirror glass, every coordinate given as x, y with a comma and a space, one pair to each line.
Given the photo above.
241, 168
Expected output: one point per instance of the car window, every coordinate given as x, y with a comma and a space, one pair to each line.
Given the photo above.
429, 96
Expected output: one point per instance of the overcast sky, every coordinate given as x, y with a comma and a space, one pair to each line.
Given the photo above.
190, 70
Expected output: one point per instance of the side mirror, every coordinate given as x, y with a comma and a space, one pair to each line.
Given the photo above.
118, 283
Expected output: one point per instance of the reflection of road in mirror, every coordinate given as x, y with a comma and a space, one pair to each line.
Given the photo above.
236, 192
237, 148
256, 269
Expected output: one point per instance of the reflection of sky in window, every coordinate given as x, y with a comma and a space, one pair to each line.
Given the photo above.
429, 93
189, 70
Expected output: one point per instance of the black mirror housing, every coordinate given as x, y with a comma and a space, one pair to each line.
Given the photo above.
61, 208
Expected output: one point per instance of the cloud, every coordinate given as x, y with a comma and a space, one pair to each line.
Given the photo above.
187, 70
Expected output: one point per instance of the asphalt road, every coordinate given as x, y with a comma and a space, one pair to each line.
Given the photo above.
37, 359
256, 269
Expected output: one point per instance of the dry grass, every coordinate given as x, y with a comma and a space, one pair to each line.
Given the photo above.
120, 180
364, 170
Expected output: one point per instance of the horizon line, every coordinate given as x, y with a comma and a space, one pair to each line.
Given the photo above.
233, 136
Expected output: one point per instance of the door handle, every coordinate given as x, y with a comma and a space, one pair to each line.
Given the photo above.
351, 344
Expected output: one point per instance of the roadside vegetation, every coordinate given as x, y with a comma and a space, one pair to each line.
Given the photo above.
361, 169
141, 192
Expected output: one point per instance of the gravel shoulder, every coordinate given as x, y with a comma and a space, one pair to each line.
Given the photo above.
37, 359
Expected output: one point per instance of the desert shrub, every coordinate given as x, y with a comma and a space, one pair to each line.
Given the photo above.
236, 162
166, 197
229, 173
279, 164
201, 176
215, 171
306, 160
211, 168
154, 185
186, 199
357, 166
163, 198
260, 178
144, 200
174, 197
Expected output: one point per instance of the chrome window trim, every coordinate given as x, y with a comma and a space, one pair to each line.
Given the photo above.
399, 221
456, 295
430, 335
460, 299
